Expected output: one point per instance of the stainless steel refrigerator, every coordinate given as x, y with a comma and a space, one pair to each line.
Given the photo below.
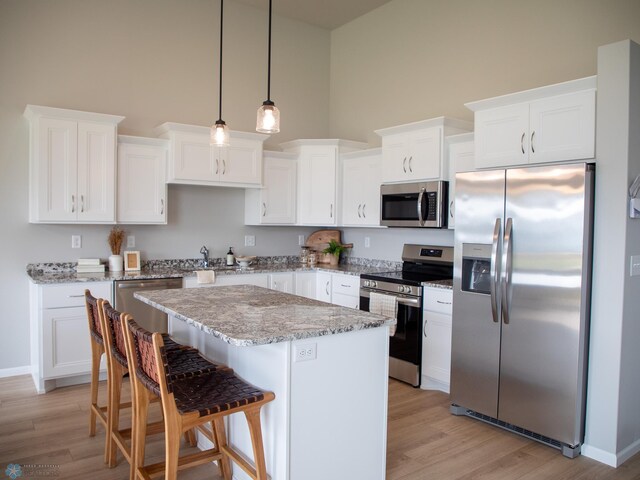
521, 300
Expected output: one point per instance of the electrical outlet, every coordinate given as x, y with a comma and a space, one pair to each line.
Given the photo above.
635, 265
131, 241
300, 240
367, 242
304, 352
249, 240
76, 241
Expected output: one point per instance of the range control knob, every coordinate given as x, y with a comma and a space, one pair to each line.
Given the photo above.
401, 288
374, 284
407, 289
365, 283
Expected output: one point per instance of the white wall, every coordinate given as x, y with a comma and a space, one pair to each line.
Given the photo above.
151, 61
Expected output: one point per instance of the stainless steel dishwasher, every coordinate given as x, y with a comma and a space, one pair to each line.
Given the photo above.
146, 316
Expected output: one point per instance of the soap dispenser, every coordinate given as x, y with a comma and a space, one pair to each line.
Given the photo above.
230, 258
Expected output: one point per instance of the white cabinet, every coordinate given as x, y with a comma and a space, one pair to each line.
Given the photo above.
415, 151
318, 178
323, 287
142, 187
361, 178
275, 202
548, 124
345, 290
436, 342
305, 284
461, 159
282, 282
193, 161
60, 345
72, 165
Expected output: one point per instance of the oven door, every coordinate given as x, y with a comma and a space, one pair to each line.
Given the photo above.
405, 346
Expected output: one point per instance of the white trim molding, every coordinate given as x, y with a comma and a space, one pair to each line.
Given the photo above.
15, 371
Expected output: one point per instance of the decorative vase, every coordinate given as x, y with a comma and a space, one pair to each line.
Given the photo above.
333, 260
116, 263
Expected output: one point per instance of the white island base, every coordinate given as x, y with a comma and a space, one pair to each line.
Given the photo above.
329, 417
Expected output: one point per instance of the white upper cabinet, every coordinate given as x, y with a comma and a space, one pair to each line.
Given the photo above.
318, 178
415, 151
142, 180
275, 202
548, 124
72, 165
460, 150
193, 161
361, 178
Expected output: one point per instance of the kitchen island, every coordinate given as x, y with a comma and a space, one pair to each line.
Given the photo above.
327, 366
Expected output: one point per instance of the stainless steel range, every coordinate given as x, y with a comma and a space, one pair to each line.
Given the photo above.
421, 263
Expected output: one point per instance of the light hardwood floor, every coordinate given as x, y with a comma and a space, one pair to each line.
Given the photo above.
424, 441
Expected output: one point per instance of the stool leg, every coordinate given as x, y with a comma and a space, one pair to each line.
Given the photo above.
96, 354
139, 433
172, 435
217, 425
255, 430
115, 394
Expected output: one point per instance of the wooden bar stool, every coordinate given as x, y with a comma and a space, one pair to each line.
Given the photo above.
187, 361
96, 412
189, 401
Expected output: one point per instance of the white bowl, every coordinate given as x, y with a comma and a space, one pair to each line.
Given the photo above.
245, 261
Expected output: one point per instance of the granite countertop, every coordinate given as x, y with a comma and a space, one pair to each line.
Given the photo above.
65, 273
246, 315
445, 284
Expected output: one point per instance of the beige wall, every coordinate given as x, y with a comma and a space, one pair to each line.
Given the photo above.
151, 61
410, 60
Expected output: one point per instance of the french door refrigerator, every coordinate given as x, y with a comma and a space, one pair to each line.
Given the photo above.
521, 300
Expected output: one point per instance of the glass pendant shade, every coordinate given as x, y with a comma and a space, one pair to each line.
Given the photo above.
220, 134
268, 118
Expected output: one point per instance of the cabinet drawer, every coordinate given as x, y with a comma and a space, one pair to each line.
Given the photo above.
72, 294
346, 285
346, 300
438, 300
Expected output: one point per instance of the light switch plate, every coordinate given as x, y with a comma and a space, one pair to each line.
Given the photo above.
300, 240
367, 242
249, 240
76, 241
634, 268
131, 241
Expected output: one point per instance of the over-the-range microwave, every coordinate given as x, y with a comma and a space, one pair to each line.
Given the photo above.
419, 204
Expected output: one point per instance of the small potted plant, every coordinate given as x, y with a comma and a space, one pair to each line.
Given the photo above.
334, 250
115, 239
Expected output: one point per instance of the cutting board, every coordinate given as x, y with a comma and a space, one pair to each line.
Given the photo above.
319, 240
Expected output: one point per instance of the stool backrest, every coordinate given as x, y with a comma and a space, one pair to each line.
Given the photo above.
114, 333
144, 355
93, 315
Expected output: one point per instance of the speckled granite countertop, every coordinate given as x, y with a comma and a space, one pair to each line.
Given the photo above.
52, 276
445, 284
246, 315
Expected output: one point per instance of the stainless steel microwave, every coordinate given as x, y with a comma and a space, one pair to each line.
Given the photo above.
420, 204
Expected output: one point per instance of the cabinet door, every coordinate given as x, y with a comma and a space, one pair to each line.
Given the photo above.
424, 161
502, 136
305, 284
317, 187
282, 282
353, 187
394, 158
345, 300
461, 159
323, 286
563, 128
241, 162
278, 197
65, 347
436, 351
371, 180
142, 189
54, 181
192, 159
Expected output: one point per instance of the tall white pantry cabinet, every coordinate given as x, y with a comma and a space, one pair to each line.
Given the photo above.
72, 165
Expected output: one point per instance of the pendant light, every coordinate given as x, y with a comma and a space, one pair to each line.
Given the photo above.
220, 131
268, 113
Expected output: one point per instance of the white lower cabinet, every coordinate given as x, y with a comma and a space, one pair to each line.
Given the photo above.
282, 282
436, 340
345, 290
323, 287
60, 339
306, 284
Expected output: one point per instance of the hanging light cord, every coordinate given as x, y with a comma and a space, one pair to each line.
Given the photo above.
220, 83
269, 59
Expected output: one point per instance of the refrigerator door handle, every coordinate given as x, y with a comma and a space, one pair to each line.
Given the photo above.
506, 269
495, 269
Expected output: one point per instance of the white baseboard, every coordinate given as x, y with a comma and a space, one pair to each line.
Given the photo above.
628, 452
15, 371
599, 455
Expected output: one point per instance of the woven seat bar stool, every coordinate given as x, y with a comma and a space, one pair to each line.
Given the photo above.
187, 361
96, 412
189, 401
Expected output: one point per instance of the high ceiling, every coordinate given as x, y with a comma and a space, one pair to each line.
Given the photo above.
327, 14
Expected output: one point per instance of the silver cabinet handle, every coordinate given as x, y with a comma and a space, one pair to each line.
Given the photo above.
75, 296
81, 203
224, 166
326, 288
359, 208
73, 204
420, 196
264, 209
331, 211
506, 269
404, 164
424, 328
364, 213
451, 209
522, 143
443, 303
217, 166
162, 206
533, 150
495, 269
410, 158
345, 286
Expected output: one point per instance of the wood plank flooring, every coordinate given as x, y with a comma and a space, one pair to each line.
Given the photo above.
424, 441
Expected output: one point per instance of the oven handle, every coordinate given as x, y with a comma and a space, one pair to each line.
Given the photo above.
408, 301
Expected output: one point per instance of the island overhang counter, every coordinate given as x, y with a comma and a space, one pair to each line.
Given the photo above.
327, 365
